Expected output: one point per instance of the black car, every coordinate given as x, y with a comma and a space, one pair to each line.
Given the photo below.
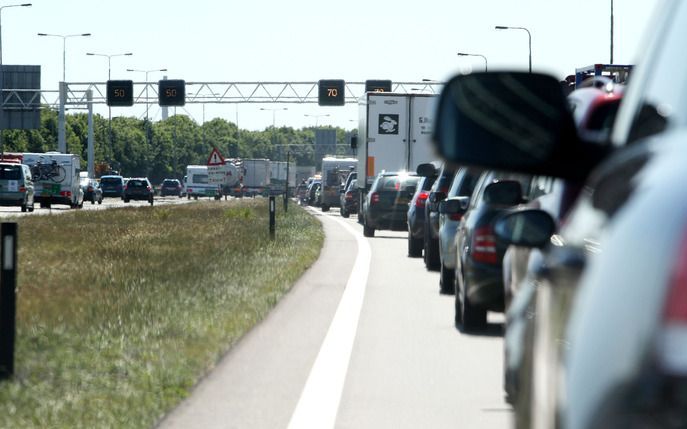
479, 257
416, 209
112, 186
171, 187
431, 235
352, 176
91, 191
386, 205
138, 189
349, 199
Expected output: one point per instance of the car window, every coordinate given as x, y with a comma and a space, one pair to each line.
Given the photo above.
135, 183
397, 183
463, 183
10, 172
111, 181
199, 178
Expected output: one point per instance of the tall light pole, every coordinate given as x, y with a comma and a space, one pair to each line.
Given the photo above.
317, 118
274, 112
529, 35
146, 73
612, 25
2, 79
109, 60
64, 38
463, 54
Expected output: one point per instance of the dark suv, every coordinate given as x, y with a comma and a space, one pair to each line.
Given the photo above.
138, 189
170, 187
386, 205
112, 186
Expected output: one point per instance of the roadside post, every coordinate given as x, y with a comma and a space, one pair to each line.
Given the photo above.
286, 187
8, 298
273, 207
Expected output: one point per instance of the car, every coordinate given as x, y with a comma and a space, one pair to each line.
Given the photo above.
138, 189
112, 186
91, 190
353, 175
386, 205
16, 186
431, 233
312, 194
302, 192
610, 350
461, 189
478, 264
416, 209
171, 187
349, 199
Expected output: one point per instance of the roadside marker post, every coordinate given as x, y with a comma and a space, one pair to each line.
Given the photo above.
273, 208
8, 297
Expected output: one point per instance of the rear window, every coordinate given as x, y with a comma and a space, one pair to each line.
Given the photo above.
397, 183
170, 183
111, 181
135, 183
10, 172
199, 178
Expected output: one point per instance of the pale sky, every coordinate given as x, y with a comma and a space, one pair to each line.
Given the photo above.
308, 40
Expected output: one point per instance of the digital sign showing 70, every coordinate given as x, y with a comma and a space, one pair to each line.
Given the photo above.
331, 92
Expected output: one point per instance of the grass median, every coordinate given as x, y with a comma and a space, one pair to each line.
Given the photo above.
121, 311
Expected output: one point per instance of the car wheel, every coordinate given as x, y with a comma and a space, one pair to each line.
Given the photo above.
414, 246
446, 283
195, 198
432, 261
325, 208
367, 231
100, 201
23, 208
188, 197
126, 200
32, 207
344, 213
151, 202
474, 318
458, 315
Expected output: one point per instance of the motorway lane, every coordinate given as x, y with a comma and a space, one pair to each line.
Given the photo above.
108, 203
409, 366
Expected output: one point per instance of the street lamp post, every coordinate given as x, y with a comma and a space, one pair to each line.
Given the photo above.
109, 77
64, 38
529, 35
2, 78
612, 25
463, 54
317, 118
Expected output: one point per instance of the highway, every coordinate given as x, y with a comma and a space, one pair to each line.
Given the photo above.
363, 340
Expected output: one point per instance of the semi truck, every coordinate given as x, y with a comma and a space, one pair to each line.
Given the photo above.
256, 176
56, 178
394, 134
278, 176
334, 173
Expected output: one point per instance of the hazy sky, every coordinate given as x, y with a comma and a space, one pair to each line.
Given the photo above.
308, 40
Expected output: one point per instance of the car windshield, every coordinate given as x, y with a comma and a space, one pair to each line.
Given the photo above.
221, 220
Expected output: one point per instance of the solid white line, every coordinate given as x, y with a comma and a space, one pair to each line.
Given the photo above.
319, 402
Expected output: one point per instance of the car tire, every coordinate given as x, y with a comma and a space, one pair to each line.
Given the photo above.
458, 314
414, 246
126, 200
195, 198
432, 261
446, 283
151, 202
23, 208
325, 208
473, 318
100, 201
344, 213
367, 231
32, 208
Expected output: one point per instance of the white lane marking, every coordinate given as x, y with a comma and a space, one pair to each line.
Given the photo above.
319, 402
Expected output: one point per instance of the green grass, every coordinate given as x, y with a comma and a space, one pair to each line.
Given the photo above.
120, 312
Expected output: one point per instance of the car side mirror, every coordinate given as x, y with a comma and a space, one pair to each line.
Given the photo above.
512, 121
426, 170
503, 193
436, 197
411, 190
527, 228
453, 206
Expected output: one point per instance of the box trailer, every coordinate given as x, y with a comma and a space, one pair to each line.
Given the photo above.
56, 178
334, 173
256, 176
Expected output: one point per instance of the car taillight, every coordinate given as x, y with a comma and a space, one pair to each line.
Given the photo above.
672, 340
349, 196
484, 246
421, 200
374, 198
126, 187
148, 188
66, 194
189, 190
90, 189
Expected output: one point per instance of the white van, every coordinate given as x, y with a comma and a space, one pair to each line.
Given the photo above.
196, 183
56, 178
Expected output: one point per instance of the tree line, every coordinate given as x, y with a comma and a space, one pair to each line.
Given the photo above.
163, 149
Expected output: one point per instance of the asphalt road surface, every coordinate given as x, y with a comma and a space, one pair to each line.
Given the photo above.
364, 340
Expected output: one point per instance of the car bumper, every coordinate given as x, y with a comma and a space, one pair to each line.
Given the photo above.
485, 285
138, 197
393, 220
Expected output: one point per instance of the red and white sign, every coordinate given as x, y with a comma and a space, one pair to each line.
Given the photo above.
215, 158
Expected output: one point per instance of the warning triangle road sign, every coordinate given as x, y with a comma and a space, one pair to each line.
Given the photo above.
215, 158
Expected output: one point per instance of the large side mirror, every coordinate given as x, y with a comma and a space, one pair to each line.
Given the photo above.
512, 121
426, 170
454, 206
354, 142
503, 193
527, 228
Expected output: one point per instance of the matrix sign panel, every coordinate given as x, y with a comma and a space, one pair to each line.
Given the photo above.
331, 92
377, 86
120, 93
172, 92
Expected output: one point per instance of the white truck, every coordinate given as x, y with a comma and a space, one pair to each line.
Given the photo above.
278, 176
256, 176
56, 178
394, 134
334, 173
197, 183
